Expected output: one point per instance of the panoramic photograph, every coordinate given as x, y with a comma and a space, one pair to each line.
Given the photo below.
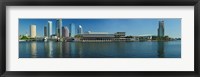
99, 38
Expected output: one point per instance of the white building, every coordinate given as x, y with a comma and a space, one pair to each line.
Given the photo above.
49, 28
80, 29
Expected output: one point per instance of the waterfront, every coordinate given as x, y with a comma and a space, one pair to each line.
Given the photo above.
53, 49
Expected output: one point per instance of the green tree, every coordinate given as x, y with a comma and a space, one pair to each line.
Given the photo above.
78, 36
129, 36
24, 38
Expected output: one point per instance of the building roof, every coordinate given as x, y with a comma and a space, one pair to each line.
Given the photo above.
89, 32
98, 35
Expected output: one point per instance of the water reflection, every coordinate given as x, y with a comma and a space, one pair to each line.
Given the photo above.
49, 49
59, 49
66, 51
80, 50
26, 47
160, 49
56, 49
73, 50
33, 50
52, 49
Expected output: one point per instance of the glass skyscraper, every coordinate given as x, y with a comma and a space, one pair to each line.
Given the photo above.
72, 30
59, 27
45, 31
49, 28
80, 30
161, 29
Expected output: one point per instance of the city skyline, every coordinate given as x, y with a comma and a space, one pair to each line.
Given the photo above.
133, 27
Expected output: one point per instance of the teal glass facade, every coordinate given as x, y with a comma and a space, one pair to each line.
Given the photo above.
72, 30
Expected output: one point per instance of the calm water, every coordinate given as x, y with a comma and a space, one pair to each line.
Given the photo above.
51, 49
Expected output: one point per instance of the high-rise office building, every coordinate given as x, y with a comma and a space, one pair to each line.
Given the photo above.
33, 31
59, 27
65, 32
49, 28
161, 29
80, 29
45, 31
72, 30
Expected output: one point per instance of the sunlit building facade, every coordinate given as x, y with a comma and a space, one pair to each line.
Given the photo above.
49, 28
33, 31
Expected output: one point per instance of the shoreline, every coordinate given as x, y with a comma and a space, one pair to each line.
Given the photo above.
96, 41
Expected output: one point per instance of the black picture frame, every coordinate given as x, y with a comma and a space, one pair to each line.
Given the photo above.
4, 3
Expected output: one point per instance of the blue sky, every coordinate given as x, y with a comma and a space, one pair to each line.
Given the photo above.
130, 26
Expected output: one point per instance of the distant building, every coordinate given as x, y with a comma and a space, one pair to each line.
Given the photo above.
54, 36
89, 32
154, 37
80, 30
65, 32
33, 31
59, 27
45, 31
49, 28
161, 29
72, 30
120, 34
97, 36
26, 34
